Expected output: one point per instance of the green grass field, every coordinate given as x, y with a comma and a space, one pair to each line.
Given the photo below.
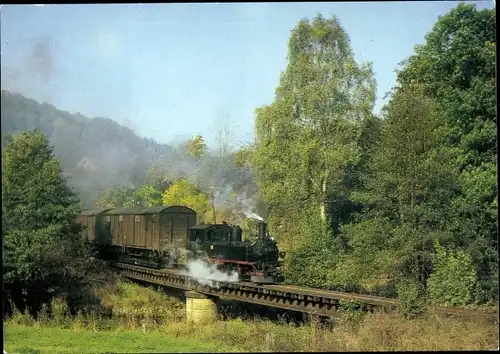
30, 339
146, 321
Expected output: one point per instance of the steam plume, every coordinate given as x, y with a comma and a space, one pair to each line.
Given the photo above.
206, 274
254, 216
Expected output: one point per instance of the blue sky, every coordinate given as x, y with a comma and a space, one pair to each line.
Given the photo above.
168, 70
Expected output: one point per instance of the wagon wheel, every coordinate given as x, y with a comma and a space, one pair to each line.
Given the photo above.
157, 258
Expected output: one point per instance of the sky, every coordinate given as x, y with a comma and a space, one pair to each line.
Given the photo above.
168, 71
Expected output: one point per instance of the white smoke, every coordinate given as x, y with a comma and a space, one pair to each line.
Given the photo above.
254, 216
208, 274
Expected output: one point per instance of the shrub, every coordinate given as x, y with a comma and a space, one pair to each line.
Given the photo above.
454, 278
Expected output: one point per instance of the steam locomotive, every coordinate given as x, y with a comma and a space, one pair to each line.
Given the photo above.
169, 237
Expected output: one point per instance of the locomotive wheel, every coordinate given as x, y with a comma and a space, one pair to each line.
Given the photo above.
243, 274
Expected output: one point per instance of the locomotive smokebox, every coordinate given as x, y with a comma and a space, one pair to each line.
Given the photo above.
262, 229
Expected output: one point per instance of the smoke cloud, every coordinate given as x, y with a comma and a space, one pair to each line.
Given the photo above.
254, 216
208, 274
33, 75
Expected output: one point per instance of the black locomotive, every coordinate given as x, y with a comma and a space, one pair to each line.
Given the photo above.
168, 237
257, 262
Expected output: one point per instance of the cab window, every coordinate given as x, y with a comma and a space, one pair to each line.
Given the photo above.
215, 235
210, 236
227, 235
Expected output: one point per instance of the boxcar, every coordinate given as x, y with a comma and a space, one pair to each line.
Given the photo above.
157, 231
93, 223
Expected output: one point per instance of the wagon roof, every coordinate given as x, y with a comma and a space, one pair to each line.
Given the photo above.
207, 226
141, 210
93, 212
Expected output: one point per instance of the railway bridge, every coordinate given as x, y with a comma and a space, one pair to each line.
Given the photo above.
295, 298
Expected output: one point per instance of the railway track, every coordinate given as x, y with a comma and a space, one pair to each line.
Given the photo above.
288, 297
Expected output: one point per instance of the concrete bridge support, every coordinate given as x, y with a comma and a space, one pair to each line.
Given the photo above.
200, 308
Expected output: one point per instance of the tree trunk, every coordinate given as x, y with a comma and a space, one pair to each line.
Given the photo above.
323, 201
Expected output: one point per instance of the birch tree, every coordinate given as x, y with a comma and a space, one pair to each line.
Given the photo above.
308, 136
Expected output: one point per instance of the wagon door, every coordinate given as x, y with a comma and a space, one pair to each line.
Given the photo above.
120, 231
179, 230
82, 219
180, 233
102, 230
165, 232
155, 232
139, 231
127, 229
91, 228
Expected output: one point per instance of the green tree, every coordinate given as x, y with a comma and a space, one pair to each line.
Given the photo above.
157, 177
243, 157
148, 196
306, 138
456, 66
407, 192
43, 252
117, 198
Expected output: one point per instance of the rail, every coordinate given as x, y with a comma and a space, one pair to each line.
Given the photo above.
288, 297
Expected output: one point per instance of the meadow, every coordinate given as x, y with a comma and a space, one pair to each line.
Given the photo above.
132, 318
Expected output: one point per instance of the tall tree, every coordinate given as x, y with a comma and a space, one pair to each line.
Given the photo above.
43, 252
456, 65
217, 181
306, 138
407, 191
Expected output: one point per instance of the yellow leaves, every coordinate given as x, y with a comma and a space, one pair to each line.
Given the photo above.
182, 192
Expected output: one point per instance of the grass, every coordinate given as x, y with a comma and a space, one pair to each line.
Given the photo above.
144, 320
28, 339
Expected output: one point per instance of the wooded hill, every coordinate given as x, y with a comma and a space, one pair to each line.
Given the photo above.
97, 153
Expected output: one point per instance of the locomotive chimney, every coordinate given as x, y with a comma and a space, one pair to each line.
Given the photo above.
262, 229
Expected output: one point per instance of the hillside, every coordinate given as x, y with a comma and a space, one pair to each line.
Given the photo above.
97, 153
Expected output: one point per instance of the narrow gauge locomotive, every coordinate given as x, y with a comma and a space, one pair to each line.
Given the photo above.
168, 237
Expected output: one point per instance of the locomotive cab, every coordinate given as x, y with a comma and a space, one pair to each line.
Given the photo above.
214, 240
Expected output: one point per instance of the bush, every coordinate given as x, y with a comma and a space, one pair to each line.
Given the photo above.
454, 278
411, 296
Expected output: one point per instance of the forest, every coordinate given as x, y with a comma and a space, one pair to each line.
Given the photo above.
400, 204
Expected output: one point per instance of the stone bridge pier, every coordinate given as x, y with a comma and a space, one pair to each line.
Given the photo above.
200, 308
